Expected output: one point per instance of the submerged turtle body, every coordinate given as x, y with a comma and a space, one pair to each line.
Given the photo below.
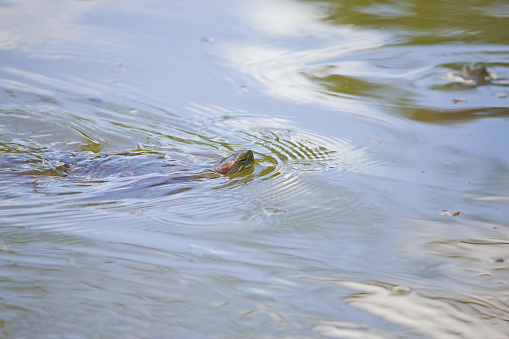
125, 164
112, 177
148, 164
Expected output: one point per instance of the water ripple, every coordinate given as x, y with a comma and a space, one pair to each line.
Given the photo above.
160, 179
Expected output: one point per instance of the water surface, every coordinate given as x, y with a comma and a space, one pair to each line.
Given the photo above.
378, 205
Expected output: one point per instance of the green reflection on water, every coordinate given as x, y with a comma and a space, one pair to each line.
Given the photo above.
427, 22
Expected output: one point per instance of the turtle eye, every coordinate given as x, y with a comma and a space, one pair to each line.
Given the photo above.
242, 159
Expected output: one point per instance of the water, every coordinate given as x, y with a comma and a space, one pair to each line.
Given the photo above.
378, 206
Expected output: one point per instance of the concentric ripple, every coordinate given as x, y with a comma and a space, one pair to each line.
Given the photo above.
292, 165
167, 179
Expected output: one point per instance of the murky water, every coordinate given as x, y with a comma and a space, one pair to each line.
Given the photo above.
378, 205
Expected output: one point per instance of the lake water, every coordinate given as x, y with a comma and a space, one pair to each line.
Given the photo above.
378, 206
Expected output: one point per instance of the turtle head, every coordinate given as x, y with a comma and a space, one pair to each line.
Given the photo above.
476, 72
236, 162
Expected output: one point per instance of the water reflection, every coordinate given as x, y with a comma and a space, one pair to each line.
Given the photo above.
372, 67
457, 285
43, 29
430, 22
336, 231
416, 84
426, 315
451, 116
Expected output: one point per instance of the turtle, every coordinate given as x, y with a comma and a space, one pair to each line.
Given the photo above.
129, 164
119, 165
475, 75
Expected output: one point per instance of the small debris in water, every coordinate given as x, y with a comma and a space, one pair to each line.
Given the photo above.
401, 290
207, 40
270, 210
501, 94
499, 260
96, 100
132, 111
458, 101
453, 214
